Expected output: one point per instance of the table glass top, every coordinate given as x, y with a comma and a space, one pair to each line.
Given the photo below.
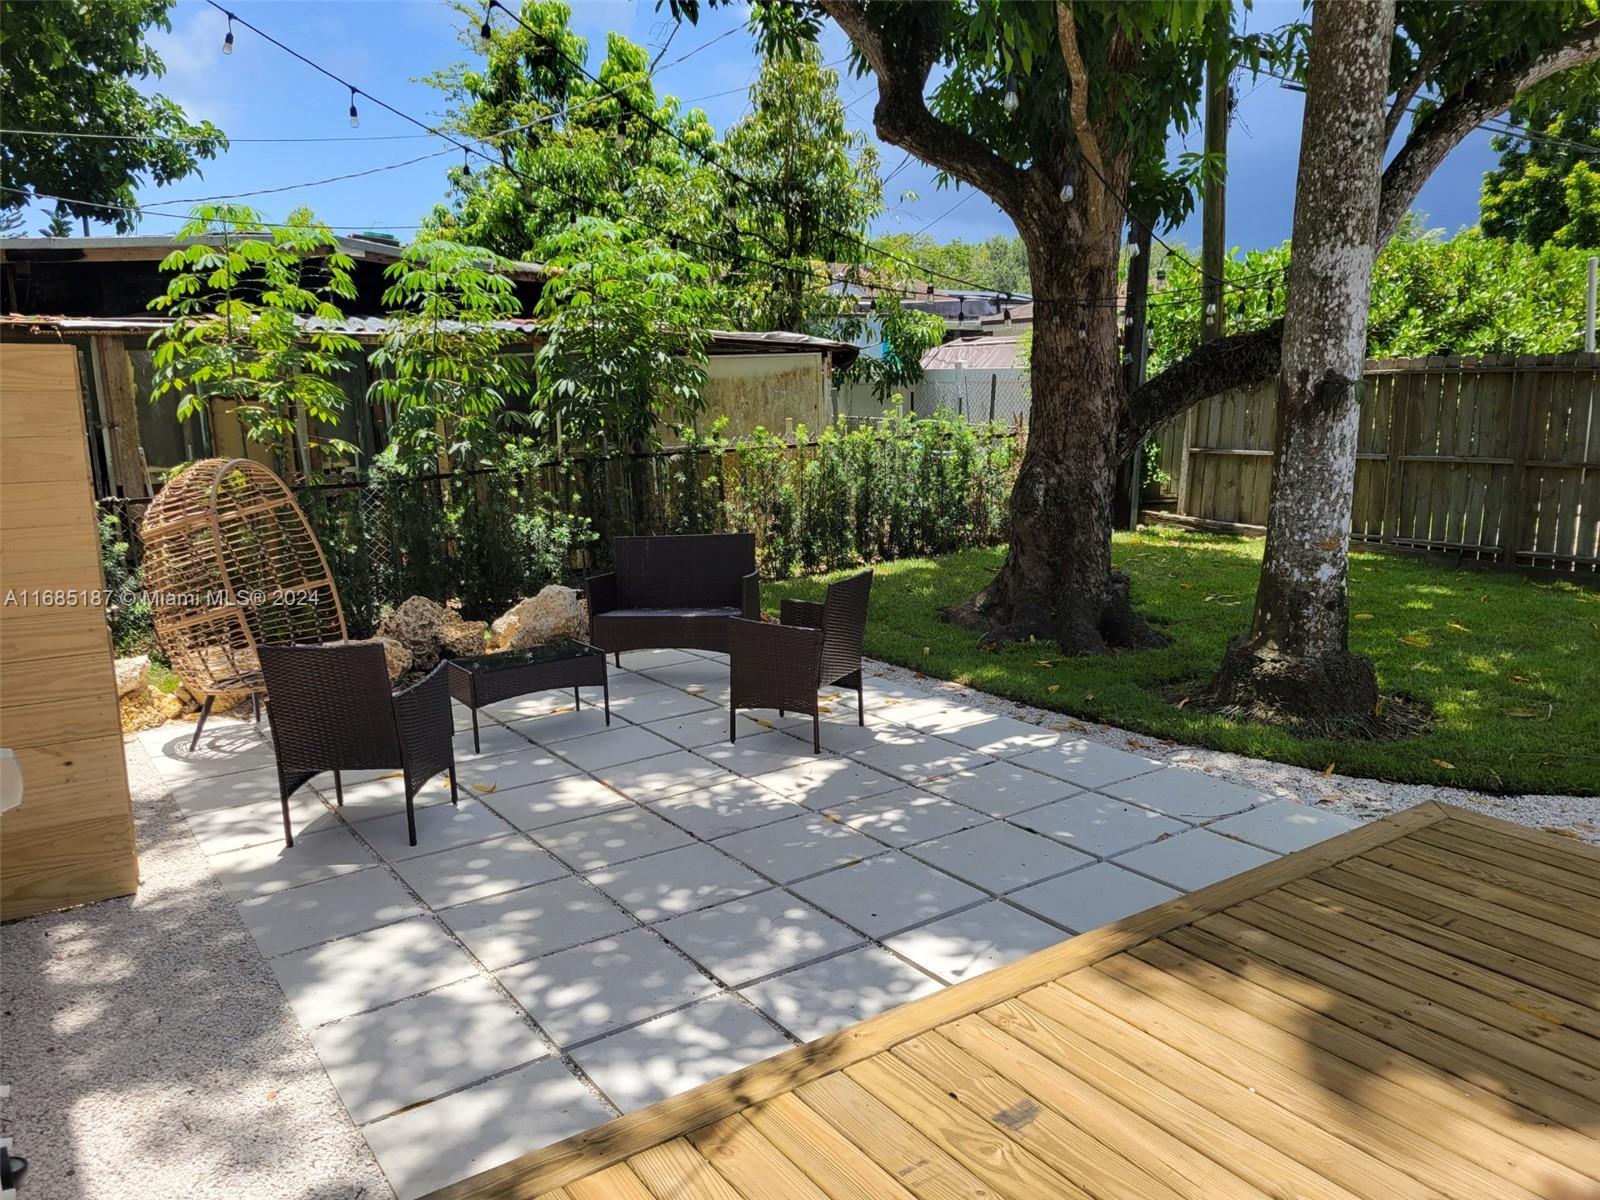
555, 650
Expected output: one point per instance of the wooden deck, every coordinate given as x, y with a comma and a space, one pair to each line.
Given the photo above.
1407, 1010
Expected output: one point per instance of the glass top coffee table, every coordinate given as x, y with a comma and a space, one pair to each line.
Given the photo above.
483, 679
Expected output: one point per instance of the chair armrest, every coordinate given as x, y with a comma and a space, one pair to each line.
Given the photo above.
751, 608
601, 593
773, 666
427, 730
801, 612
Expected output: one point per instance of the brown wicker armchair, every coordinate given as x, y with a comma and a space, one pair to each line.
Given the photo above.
331, 709
671, 592
785, 666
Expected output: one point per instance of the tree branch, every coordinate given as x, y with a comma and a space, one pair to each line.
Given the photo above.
1407, 92
1078, 104
1238, 360
1487, 95
902, 117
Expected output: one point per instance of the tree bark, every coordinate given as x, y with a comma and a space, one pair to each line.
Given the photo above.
1295, 663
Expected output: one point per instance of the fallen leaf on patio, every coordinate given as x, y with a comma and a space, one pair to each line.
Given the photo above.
1363, 616
887, 701
694, 689
1442, 765
485, 788
822, 710
562, 709
764, 723
1053, 688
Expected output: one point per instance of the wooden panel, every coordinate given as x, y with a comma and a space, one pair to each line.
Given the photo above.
71, 840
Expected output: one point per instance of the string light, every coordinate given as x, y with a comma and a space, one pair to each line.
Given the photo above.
466, 164
1133, 250
355, 117
1010, 101
1067, 190
227, 42
1211, 310
485, 33
1083, 330
1161, 273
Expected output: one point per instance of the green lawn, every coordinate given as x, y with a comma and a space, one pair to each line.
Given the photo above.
1510, 664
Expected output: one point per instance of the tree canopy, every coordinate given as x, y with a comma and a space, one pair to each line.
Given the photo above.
73, 66
1546, 187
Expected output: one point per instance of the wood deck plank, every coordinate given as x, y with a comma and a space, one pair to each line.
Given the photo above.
1492, 1131
1404, 1012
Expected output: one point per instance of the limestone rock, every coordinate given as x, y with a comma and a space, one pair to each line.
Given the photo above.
147, 707
460, 638
395, 655
133, 674
418, 624
554, 613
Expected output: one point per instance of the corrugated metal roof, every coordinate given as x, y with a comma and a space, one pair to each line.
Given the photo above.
975, 353
723, 341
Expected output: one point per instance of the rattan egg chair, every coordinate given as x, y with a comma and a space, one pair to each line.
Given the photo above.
231, 564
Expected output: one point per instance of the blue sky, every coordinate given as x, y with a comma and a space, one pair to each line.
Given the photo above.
385, 46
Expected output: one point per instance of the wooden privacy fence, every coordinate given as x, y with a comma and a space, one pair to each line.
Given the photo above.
1493, 458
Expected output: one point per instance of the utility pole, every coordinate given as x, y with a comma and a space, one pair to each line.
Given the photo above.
1135, 343
1588, 325
1213, 232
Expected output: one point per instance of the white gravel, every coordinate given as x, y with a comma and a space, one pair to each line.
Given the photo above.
150, 1050
1359, 799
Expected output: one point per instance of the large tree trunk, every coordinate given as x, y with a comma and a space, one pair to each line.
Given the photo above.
1057, 582
1295, 664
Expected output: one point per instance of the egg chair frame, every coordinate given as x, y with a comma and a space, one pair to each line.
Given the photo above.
231, 564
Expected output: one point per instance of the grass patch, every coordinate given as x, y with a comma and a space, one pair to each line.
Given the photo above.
1509, 664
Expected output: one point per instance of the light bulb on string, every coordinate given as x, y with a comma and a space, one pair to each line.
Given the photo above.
227, 42
1211, 310
485, 31
1067, 190
1161, 273
466, 165
1133, 249
1083, 331
355, 117
1010, 101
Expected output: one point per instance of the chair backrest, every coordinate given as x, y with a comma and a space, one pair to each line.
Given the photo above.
844, 625
698, 570
330, 706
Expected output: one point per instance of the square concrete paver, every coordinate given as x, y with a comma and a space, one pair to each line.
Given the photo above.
511, 769
553, 802
508, 928
611, 837
706, 727
458, 1135
370, 794
356, 973
977, 940
766, 752
745, 939
676, 881
678, 1051
884, 895
1087, 764
920, 761
222, 830
802, 845
502, 864
664, 775
440, 827
1096, 825
493, 738
731, 806
331, 908
996, 736
613, 746
827, 996
271, 866
578, 994
1001, 789
1097, 895
1194, 859
998, 856
567, 723
214, 792
1284, 826
1191, 795
824, 782
906, 816
404, 1053
662, 704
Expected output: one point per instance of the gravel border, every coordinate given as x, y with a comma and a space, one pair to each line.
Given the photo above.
1358, 799
151, 1052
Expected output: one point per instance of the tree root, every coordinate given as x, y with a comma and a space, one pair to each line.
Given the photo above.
1333, 695
1000, 621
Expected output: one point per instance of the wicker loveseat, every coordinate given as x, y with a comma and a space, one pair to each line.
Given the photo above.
677, 591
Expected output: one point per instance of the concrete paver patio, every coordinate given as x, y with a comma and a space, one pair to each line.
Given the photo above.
615, 915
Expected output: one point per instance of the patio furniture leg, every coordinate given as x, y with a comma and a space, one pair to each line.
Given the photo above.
861, 706
411, 818
288, 829
455, 796
475, 747
816, 734
576, 703
338, 788
255, 706
205, 711
733, 722
619, 660
605, 696
780, 714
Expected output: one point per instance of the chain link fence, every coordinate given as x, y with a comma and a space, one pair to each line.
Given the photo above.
977, 395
